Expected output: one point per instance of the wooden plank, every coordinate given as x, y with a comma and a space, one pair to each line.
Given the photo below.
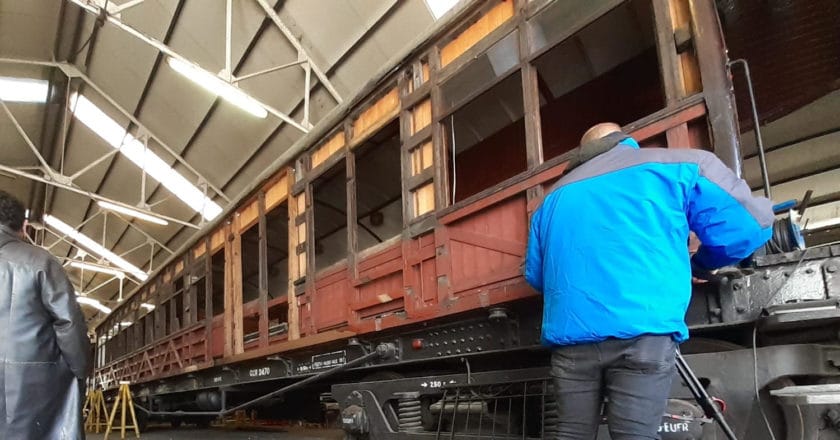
504, 194
228, 318
352, 209
487, 242
533, 125
291, 345
688, 66
208, 305
678, 136
717, 85
421, 116
248, 215
422, 158
276, 192
236, 281
294, 265
478, 30
674, 120
263, 280
326, 150
424, 199
669, 65
375, 116
217, 240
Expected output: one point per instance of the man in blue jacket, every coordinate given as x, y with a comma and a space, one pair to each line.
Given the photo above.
607, 249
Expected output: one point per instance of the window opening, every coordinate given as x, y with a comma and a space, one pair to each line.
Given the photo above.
379, 187
251, 264
201, 299
330, 205
486, 139
178, 303
607, 71
218, 267
277, 240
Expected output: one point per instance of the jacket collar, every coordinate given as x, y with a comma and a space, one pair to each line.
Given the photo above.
5, 230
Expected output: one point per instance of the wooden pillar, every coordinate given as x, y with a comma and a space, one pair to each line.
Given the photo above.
352, 209
233, 290
263, 274
208, 300
295, 270
717, 84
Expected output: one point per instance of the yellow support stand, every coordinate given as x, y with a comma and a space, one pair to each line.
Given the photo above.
97, 411
123, 400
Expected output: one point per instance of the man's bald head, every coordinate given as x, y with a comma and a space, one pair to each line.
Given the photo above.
598, 131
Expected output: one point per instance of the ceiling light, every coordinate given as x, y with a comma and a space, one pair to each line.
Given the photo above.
93, 303
95, 247
132, 213
148, 306
116, 136
126, 323
217, 86
97, 268
440, 7
23, 90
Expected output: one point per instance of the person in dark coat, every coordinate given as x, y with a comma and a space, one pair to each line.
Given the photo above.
44, 346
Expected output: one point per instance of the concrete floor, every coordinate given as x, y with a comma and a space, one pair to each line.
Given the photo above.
187, 433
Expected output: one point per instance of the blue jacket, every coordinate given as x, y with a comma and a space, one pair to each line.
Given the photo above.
608, 246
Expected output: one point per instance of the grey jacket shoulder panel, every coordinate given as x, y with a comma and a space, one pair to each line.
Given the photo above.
710, 166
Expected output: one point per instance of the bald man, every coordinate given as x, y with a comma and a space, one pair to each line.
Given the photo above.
607, 249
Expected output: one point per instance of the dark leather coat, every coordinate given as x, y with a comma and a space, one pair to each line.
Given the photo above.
44, 347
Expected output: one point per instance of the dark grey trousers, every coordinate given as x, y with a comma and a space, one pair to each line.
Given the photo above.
634, 375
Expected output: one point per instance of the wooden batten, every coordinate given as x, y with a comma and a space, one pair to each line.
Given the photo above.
248, 216
325, 151
294, 263
276, 192
375, 116
234, 335
217, 240
199, 250
424, 199
422, 158
491, 20
421, 116
688, 66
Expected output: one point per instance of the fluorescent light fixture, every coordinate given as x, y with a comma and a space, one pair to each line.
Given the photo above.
93, 303
23, 90
97, 268
95, 247
217, 86
132, 213
148, 306
126, 323
440, 7
116, 136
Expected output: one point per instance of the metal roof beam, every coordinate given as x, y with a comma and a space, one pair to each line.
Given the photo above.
160, 46
93, 196
72, 72
269, 11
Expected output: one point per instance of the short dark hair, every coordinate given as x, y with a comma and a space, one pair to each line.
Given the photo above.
12, 212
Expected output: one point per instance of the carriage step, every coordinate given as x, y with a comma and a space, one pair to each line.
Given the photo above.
808, 394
